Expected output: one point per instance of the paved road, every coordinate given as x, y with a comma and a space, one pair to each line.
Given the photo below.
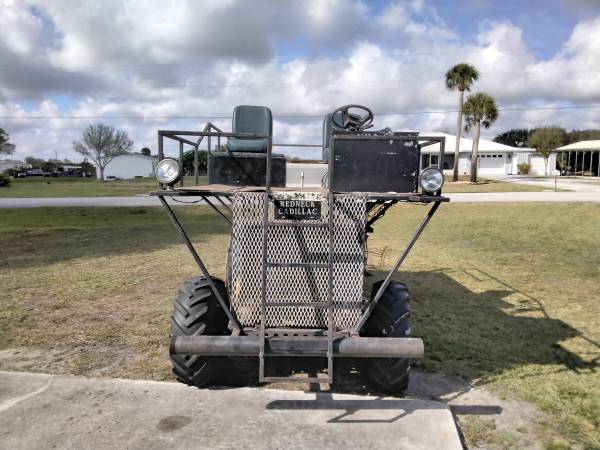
141, 200
153, 201
492, 197
42, 411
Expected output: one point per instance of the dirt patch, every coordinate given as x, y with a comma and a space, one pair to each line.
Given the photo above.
92, 360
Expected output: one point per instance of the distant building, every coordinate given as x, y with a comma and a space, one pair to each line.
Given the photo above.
130, 165
6, 164
580, 158
493, 158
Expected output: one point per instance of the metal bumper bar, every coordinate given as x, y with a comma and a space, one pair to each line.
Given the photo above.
357, 347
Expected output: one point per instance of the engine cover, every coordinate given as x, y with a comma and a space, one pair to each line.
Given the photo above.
297, 245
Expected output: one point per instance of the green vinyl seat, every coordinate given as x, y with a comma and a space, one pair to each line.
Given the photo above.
251, 119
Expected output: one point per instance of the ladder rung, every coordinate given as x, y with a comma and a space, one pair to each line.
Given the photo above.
315, 304
310, 265
296, 379
298, 224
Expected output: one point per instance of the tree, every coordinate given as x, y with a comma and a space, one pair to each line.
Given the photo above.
5, 146
88, 168
145, 151
581, 135
188, 160
460, 78
480, 109
516, 137
546, 140
101, 144
35, 163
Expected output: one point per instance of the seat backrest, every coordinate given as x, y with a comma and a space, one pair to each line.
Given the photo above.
251, 119
328, 128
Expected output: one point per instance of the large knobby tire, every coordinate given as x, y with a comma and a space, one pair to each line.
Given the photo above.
197, 311
390, 318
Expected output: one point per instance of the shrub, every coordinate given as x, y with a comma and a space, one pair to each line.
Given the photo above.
4, 180
524, 168
11, 172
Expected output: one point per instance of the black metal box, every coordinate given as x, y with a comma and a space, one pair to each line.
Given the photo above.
245, 169
375, 163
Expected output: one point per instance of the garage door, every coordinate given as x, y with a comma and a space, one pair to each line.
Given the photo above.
537, 165
491, 163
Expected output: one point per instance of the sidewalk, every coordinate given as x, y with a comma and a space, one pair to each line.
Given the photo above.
43, 411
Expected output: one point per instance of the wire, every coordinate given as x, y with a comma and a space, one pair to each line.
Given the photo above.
293, 116
187, 203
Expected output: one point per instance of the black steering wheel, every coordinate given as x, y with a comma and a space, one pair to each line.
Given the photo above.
352, 121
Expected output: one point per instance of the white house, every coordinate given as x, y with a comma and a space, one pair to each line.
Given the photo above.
493, 158
130, 165
6, 164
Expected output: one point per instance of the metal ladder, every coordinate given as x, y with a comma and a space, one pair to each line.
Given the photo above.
264, 352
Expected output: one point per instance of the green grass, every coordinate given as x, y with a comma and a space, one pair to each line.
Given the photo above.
485, 185
490, 186
81, 187
505, 295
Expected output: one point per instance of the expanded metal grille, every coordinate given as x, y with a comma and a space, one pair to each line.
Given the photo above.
297, 245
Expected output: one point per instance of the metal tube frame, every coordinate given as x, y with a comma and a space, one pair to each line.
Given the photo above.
217, 210
208, 132
343, 346
201, 265
397, 264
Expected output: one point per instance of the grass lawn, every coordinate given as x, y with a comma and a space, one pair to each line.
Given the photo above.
81, 187
89, 187
489, 186
484, 185
504, 295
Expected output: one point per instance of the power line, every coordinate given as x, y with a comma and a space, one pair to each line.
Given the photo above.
286, 116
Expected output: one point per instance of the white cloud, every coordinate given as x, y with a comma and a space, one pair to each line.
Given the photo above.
189, 58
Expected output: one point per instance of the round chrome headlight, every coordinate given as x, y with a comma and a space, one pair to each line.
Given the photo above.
167, 171
431, 179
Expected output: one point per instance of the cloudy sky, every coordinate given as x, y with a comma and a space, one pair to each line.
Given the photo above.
173, 64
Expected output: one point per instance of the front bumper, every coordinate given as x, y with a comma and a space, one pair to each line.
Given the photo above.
354, 347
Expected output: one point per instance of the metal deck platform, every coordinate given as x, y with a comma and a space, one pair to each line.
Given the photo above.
221, 190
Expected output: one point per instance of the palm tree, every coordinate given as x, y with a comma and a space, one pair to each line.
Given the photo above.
460, 77
480, 109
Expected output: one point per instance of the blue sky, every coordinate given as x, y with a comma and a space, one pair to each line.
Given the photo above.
546, 24
162, 60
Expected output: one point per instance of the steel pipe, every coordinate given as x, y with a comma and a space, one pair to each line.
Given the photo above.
357, 347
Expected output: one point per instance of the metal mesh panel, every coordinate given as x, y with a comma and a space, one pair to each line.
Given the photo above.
297, 245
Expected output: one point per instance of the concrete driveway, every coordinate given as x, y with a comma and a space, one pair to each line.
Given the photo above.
42, 411
478, 197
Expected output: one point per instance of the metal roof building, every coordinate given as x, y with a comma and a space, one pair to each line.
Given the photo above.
580, 158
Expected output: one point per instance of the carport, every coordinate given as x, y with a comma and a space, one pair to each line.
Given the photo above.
580, 158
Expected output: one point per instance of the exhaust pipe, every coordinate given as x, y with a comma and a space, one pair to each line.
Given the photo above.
357, 347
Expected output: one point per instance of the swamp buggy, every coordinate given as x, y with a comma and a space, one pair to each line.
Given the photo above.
293, 296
